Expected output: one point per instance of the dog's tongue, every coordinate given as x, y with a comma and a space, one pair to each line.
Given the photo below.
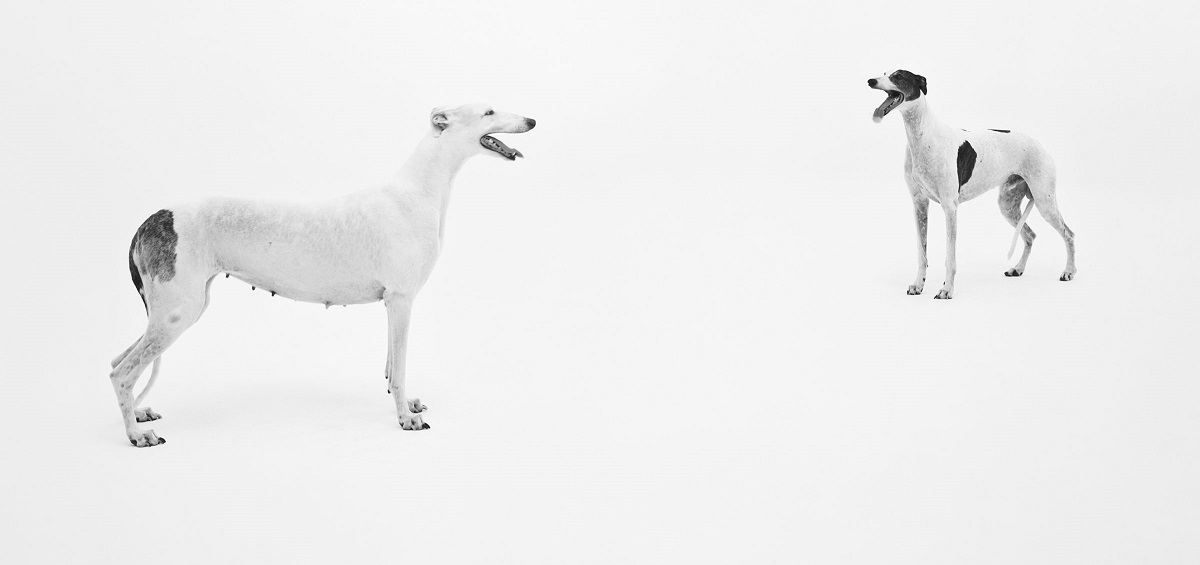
499, 147
883, 109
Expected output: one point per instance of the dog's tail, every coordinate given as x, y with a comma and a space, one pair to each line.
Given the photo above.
117, 360
1020, 224
153, 372
149, 383
133, 272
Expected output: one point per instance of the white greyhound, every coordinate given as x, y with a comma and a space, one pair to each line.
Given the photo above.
951, 166
371, 245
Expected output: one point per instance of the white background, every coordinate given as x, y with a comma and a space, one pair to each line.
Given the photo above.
676, 333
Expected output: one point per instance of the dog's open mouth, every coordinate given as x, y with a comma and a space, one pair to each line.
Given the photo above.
894, 99
498, 146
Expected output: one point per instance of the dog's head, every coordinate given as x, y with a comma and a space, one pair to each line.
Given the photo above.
901, 87
473, 125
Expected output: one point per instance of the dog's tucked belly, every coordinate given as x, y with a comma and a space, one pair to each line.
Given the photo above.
977, 187
330, 291
303, 272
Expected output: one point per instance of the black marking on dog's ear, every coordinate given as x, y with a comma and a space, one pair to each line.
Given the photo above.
911, 85
966, 163
155, 243
1001, 130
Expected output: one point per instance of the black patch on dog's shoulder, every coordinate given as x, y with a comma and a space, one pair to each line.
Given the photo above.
1002, 130
155, 243
966, 163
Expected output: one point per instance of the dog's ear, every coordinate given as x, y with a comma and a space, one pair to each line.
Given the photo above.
921, 84
439, 121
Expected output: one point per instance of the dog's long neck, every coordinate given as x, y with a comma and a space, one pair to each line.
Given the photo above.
918, 121
431, 169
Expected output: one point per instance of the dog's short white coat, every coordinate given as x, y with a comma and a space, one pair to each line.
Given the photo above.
375, 244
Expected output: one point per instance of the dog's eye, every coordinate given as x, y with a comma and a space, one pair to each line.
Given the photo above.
488, 113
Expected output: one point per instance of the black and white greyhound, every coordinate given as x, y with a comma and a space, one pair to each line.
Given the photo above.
950, 166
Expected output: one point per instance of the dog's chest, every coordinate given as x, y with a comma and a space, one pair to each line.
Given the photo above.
929, 168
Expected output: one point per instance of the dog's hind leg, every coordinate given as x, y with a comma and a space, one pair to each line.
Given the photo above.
1011, 194
1054, 218
172, 309
126, 374
117, 360
146, 414
1043, 192
921, 213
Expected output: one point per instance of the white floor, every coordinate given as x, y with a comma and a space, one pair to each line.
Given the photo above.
722, 399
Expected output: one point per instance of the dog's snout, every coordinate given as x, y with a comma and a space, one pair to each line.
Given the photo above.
530, 122
872, 82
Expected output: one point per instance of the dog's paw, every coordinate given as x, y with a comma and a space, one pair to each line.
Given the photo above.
413, 422
1013, 272
146, 439
414, 405
146, 414
1066, 276
914, 290
943, 294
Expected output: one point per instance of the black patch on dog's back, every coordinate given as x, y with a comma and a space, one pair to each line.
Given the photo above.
1001, 130
155, 243
966, 163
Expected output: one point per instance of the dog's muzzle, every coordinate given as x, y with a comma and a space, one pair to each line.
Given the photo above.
492, 144
895, 98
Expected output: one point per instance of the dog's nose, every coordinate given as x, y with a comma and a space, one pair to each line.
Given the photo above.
530, 122
872, 82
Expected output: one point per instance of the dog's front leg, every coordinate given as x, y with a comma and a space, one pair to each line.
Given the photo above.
921, 212
399, 309
951, 210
